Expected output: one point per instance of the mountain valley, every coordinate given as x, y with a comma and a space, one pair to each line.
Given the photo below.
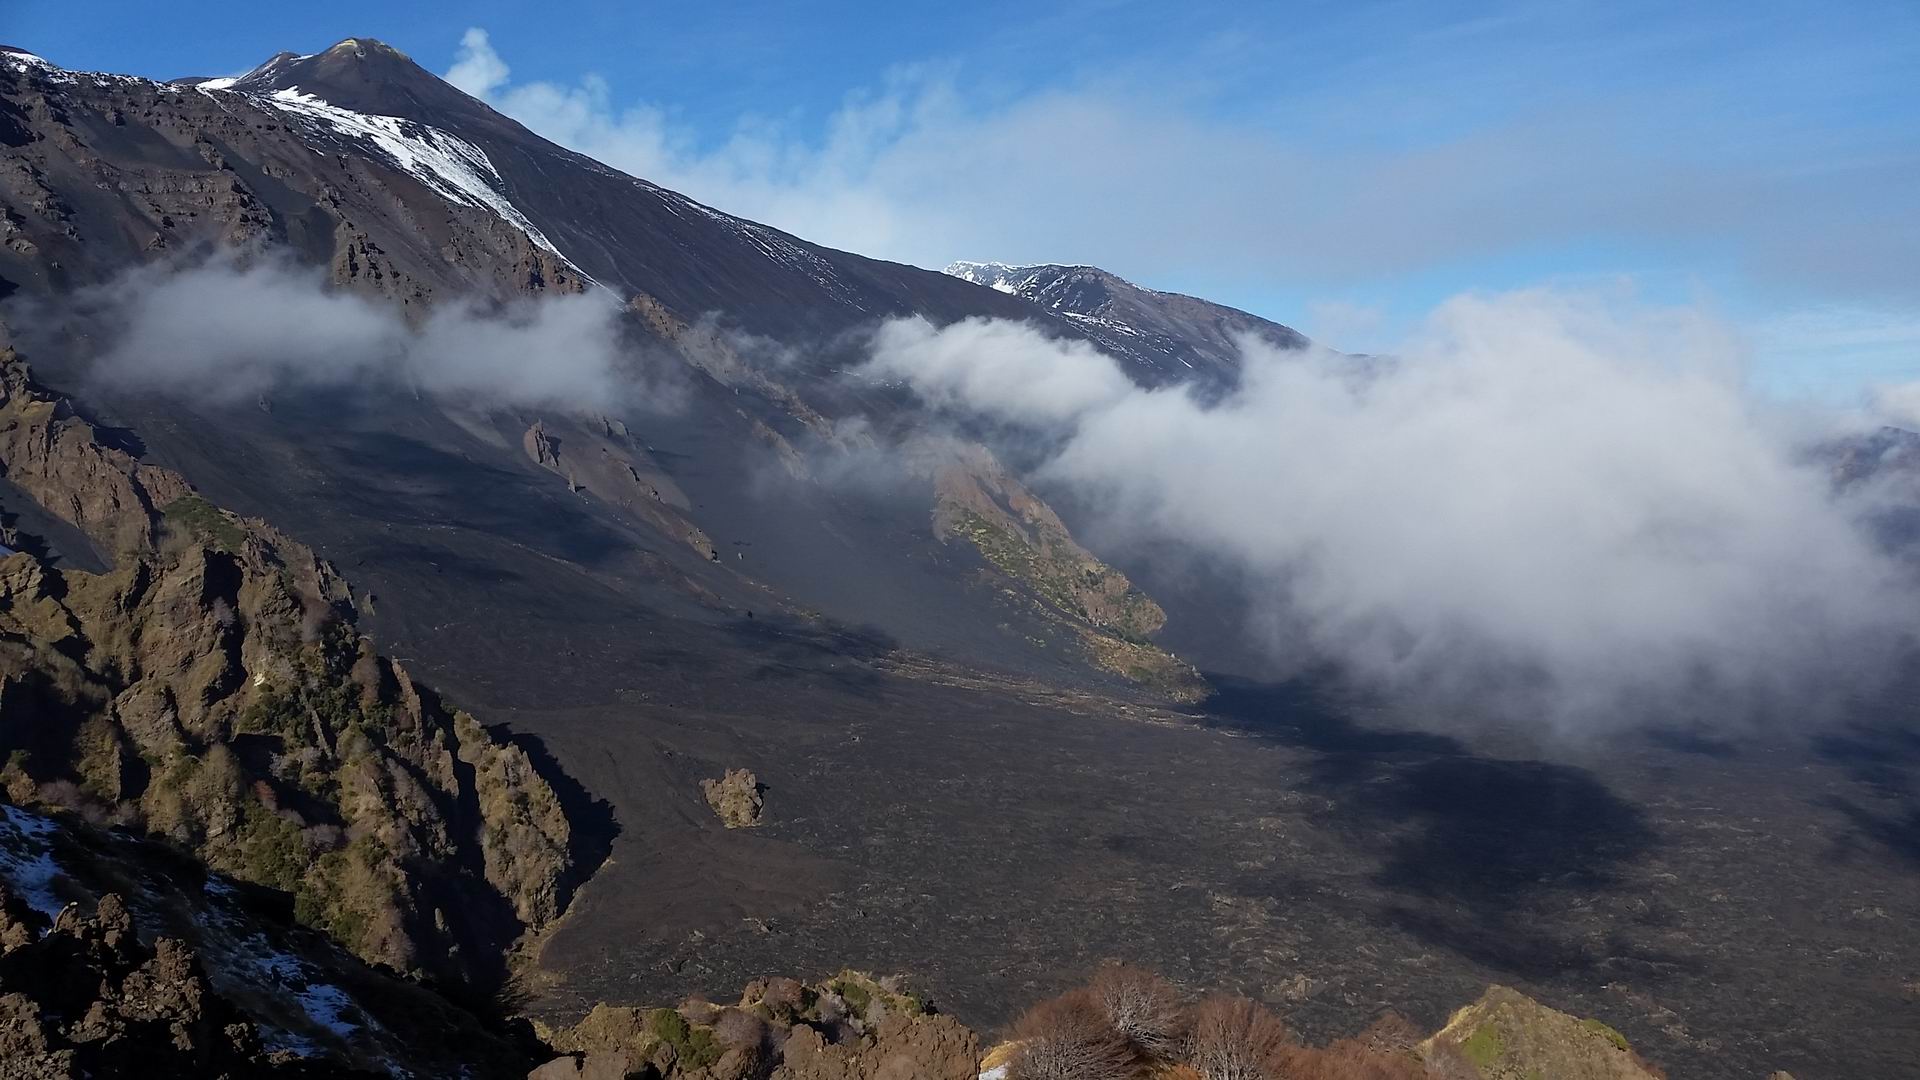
434, 678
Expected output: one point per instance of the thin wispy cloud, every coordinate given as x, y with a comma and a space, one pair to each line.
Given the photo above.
225, 331
1387, 172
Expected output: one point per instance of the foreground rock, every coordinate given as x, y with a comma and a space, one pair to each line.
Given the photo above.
735, 798
121, 957
851, 1027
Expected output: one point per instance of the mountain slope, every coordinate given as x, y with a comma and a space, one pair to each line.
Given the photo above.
1167, 337
414, 193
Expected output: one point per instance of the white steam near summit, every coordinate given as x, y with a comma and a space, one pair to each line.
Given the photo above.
1542, 486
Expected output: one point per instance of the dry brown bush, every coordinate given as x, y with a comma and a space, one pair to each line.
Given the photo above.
1353, 1059
1070, 1038
1391, 1033
1446, 1062
737, 1027
1235, 1038
1140, 1005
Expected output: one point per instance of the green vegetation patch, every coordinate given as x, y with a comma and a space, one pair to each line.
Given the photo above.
272, 851
200, 519
1053, 568
854, 993
1483, 1048
1618, 1040
693, 1047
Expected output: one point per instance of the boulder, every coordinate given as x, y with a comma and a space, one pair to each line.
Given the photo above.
735, 798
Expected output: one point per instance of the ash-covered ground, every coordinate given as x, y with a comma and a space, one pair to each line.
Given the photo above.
1732, 908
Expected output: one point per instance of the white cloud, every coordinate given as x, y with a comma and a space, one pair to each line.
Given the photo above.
226, 332
478, 70
1541, 483
1000, 367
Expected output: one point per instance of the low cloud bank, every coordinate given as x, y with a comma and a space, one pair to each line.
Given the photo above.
1577, 503
225, 332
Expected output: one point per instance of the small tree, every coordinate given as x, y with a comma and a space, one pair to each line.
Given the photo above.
1140, 1005
1390, 1034
1070, 1038
1233, 1038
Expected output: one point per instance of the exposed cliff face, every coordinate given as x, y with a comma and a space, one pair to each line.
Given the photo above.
209, 688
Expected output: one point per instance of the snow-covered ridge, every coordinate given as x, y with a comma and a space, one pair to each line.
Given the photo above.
1016, 280
995, 276
452, 167
22, 59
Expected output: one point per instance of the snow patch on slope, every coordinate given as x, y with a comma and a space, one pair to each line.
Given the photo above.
20, 58
26, 860
452, 167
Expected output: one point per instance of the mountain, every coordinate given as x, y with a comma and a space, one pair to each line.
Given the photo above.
411, 192
443, 673
1168, 337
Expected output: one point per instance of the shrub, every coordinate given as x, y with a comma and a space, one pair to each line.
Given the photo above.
694, 1047
202, 521
1389, 1034
1070, 1038
1234, 1038
1353, 1059
737, 1027
1140, 1005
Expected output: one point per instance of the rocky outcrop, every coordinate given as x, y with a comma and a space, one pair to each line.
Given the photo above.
851, 1027
209, 688
91, 999
735, 798
1509, 1036
60, 464
601, 458
120, 957
977, 500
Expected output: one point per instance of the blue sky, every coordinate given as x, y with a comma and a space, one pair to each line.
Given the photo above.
1341, 167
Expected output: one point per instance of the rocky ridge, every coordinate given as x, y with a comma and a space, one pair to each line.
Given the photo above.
209, 688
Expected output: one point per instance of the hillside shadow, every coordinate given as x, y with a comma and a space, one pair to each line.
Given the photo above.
1474, 846
1896, 831
787, 647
